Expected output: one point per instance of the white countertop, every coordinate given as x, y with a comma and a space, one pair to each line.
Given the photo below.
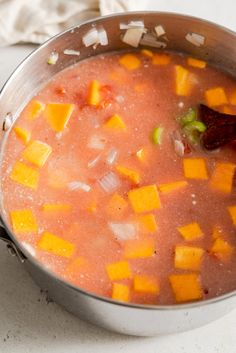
28, 323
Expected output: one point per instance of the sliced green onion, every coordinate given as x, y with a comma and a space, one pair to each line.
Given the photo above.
190, 116
197, 125
157, 135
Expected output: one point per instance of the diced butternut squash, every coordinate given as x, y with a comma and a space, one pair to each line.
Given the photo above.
222, 177
116, 205
232, 212
128, 173
92, 208
147, 52
141, 87
34, 109
215, 97
53, 244
196, 63
119, 270
27, 176
191, 231
23, 221
227, 110
188, 257
58, 115
232, 98
94, 95
37, 152
130, 61
183, 81
80, 264
115, 123
146, 284
161, 59
120, 292
139, 248
186, 287
148, 222
221, 249
169, 187
57, 207
22, 134
144, 199
195, 168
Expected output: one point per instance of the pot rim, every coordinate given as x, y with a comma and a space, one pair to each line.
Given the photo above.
37, 263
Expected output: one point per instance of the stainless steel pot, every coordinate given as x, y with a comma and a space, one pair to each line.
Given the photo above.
29, 77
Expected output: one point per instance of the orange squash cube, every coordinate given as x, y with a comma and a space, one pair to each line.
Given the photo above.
183, 81
146, 284
34, 109
191, 231
57, 207
27, 176
94, 95
169, 187
119, 270
147, 52
148, 222
22, 134
200, 64
161, 59
130, 61
232, 212
188, 257
195, 168
227, 110
140, 248
77, 266
37, 152
232, 98
215, 96
144, 199
186, 287
115, 123
53, 244
58, 115
221, 249
222, 177
130, 174
92, 208
120, 292
23, 221
117, 205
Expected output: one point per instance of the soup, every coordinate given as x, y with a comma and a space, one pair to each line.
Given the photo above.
106, 183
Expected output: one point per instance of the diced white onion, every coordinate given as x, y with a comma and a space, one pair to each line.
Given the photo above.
96, 142
119, 99
133, 36
159, 30
195, 39
179, 147
78, 185
151, 41
71, 52
94, 37
29, 248
91, 37
8, 121
109, 182
132, 24
123, 231
112, 156
94, 161
102, 35
52, 60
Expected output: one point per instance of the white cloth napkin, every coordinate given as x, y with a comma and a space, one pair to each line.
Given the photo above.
36, 20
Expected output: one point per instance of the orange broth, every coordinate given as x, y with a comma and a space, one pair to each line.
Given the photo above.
128, 236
